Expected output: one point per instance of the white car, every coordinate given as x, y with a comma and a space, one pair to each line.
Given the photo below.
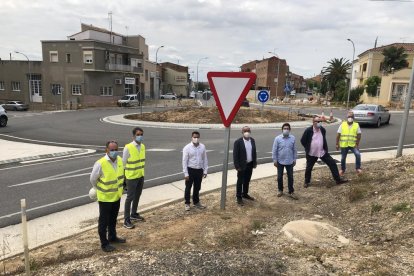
128, 100
3, 117
169, 96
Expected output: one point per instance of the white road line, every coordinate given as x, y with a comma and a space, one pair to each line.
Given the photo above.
47, 179
160, 150
53, 143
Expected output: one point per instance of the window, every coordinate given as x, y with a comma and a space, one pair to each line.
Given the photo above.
88, 57
68, 58
15, 86
1, 85
106, 91
129, 88
36, 84
56, 89
364, 67
76, 89
53, 56
146, 75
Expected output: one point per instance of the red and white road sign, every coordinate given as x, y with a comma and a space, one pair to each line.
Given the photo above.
229, 90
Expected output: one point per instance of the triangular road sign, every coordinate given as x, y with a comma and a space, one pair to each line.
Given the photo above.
229, 90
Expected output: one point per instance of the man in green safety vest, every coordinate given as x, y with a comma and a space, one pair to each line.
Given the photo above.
347, 138
107, 178
134, 162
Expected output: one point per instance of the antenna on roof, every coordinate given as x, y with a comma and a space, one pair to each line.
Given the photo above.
376, 40
110, 26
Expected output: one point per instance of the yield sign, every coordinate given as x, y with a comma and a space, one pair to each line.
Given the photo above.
229, 90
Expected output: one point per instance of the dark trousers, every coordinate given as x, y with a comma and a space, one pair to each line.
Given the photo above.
289, 172
195, 176
243, 180
134, 192
108, 212
329, 161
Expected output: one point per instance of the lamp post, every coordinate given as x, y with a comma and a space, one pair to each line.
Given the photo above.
198, 62
352, 70
157, 77
278, 66
30, 75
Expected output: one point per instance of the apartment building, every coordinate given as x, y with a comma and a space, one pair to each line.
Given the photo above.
175, 78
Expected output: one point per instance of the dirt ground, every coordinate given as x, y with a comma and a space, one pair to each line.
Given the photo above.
373, 212
211, 115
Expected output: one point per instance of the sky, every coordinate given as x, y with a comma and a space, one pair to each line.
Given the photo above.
306, 33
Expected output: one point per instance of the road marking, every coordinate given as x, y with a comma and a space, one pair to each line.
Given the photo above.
46, 179
53, 143
160, 150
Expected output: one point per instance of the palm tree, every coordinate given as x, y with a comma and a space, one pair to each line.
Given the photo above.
335, 72
394, 58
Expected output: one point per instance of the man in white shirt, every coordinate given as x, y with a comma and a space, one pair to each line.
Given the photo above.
195, 165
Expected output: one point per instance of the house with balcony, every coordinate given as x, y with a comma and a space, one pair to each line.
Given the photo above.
394, 84
92, 67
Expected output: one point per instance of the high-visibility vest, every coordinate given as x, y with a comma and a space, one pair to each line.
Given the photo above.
135, 164
348, 135
109, 187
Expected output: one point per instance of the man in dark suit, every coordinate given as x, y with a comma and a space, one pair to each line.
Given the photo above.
245, 160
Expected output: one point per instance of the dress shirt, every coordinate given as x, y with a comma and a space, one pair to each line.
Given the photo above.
316, 147
284, 150
194, 157
249, 149
97, 170
125, 153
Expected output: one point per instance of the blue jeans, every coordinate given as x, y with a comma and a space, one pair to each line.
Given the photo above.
289, 172
344, 153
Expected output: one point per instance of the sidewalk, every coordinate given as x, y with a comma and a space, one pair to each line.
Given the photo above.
51, 228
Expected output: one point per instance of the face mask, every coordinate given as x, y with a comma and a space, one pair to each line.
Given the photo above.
286, 132
246, 134
113, 154
350, 119
318, 125
139, 139
195, 140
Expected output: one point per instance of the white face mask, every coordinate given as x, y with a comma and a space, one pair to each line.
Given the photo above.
195, 140
246, 134
286, 132
350, 119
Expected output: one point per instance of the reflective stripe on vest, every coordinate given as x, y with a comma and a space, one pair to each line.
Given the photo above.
348, 135
109, 187
135, 164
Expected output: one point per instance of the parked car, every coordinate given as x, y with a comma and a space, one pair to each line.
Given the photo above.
128, 100
245, 103
372, 114
192, 94
3, 117
15, 105
169, 96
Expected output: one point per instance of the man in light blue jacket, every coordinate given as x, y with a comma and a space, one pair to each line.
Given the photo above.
284, 155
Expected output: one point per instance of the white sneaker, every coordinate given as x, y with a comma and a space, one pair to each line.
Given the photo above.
199, 206
187, 207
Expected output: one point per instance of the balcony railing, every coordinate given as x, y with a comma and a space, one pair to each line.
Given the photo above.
123, 68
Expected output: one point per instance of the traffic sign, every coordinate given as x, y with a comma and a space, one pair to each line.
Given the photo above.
263, 96
229, 90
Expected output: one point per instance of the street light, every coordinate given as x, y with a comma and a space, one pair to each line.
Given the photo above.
352, 70
197, 70
278, 66
156, 70
30, 75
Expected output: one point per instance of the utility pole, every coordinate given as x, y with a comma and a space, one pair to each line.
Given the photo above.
352, 71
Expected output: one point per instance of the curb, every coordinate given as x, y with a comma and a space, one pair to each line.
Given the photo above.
50, 155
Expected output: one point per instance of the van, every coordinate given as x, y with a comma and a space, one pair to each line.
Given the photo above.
128, 100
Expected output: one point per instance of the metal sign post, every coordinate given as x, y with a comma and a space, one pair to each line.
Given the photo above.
263, 97
225, 168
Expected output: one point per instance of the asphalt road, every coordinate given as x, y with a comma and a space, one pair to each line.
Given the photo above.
54, 185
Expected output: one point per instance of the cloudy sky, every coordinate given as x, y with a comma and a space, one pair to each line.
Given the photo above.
307, 33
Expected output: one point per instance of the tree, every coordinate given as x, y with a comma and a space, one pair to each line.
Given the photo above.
394, 58
372, 84
335, 72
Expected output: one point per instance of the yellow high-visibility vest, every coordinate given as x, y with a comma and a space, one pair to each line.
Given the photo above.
135, 165
109, 187
348, 135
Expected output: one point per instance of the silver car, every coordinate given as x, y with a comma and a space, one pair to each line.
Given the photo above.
15, 105
372, 114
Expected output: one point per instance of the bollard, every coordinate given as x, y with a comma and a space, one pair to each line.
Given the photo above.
25, 239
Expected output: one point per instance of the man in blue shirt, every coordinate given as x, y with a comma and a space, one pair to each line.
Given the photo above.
284, 155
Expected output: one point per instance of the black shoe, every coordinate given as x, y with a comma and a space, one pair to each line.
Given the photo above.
342, 181
107, 248
248, 197
118, 240
305, 185
136, 217
128, 224
240, 201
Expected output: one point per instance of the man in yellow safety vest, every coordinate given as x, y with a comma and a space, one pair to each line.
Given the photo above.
347, 138
107, 178
134, 162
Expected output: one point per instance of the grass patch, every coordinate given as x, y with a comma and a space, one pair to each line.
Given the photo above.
236, 238
357, 192
258, 225
401, 207
375, 208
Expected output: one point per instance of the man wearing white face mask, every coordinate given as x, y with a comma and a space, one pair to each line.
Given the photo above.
134, 162
314, 142
195, 165
245, 160
347, 138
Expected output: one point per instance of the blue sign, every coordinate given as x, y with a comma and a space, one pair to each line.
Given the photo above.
263, 96
287, 88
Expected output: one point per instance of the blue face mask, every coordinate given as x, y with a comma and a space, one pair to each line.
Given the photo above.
139, 139
113, 154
